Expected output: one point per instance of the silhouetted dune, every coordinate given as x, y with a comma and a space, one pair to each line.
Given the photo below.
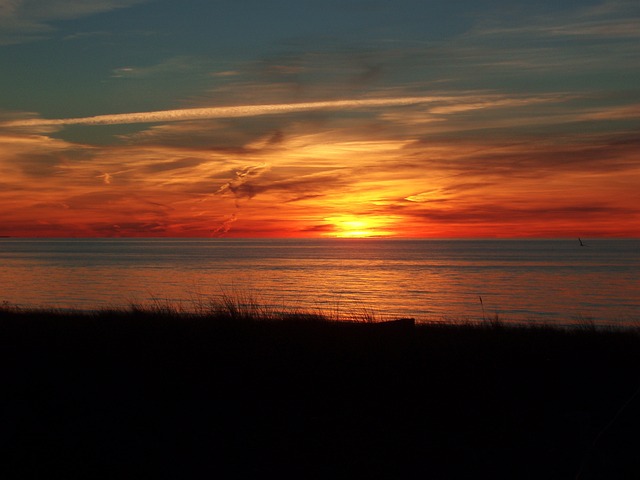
141, 394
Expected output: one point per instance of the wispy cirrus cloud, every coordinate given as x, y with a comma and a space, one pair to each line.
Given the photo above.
225, 226
173, 65
241, 186
559, 45
25, 20
220, 112
612, 19
429, 187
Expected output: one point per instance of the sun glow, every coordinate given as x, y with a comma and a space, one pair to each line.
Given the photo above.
353, 226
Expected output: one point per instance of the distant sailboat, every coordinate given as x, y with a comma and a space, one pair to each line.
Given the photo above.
582, 244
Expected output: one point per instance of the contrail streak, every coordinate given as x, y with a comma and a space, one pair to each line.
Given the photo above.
218, 112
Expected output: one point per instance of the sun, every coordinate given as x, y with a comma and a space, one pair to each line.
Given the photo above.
354, 226
355, 229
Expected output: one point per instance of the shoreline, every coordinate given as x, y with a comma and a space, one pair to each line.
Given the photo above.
247, 307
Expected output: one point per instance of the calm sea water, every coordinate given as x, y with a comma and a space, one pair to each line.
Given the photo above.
431, 280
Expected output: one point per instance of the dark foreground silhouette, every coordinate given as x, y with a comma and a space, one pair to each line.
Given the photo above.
148, 394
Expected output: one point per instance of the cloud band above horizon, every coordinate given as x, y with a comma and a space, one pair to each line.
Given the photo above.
217, 112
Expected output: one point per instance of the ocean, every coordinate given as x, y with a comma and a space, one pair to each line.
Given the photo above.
548, 281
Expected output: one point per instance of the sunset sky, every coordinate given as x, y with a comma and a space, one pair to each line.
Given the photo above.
309, 118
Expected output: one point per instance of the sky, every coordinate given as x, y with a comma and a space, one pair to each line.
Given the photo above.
308, 118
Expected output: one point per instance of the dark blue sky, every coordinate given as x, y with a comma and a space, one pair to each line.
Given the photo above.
61, 63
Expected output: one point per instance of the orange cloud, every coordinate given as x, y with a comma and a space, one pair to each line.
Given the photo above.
304, 179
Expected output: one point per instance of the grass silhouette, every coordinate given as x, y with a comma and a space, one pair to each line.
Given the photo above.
236, 390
